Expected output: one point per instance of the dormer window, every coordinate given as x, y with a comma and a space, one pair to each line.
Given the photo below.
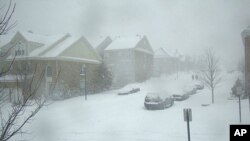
19, 49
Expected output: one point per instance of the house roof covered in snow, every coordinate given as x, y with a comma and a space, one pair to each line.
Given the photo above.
104, 43
173, 52
137, 43
57, 47
38, 38
161, 53
120, 42
96, 41
164, 52
60, 47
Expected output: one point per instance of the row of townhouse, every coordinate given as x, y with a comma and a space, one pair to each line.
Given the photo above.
132, 59
30, 59
72, 61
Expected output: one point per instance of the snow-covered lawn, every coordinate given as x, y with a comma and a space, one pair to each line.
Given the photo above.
110, 117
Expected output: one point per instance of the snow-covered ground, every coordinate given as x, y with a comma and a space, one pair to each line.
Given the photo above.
110, 117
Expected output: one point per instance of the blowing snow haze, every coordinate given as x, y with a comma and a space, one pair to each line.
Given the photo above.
188, 26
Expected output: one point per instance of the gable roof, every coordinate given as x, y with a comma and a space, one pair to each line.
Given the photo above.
38, 38
161, 53
104, 44
96, 41
59, 48
144, 46
54, 45
46, 41
124, 43
173, 52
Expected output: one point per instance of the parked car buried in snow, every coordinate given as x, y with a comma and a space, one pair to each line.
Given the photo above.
178, 97
199, 86
134, 90
157, 101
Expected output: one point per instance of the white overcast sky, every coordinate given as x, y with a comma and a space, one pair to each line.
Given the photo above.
190, 26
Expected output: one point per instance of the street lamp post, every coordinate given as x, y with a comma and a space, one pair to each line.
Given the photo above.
85, 78
239, 92
83, 86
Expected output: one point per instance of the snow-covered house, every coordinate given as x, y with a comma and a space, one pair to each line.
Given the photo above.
65, 59
130, 59
102, 44
164, 62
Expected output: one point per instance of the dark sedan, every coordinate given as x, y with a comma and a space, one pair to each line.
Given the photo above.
155, 101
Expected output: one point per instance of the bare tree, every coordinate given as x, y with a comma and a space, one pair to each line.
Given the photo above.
18, 115
211, 74
13, 118
5, 26
5, 17
26, 105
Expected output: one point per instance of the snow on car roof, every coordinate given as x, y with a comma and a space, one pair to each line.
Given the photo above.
158, 94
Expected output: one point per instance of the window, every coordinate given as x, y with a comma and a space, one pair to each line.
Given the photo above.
19, 49
25, 67
49, 71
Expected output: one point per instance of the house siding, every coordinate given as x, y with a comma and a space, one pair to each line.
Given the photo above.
247, 64
166, 65
81, 50
130, 65
143, 66
121, 64
62, 71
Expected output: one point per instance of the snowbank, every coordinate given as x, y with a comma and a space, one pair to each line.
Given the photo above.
110, 117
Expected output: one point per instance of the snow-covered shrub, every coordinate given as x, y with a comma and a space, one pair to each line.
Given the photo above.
61, 91
103, 79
